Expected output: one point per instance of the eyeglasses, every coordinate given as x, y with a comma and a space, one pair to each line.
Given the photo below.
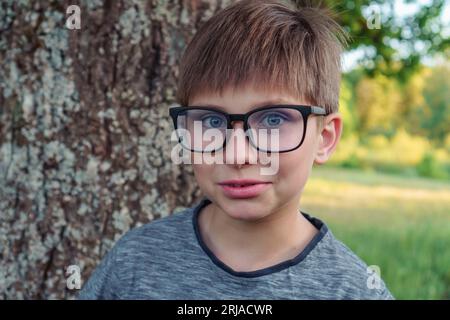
274, 128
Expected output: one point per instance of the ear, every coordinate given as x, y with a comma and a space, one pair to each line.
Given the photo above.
328, 137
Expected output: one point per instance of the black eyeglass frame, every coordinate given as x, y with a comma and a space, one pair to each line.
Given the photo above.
305, 110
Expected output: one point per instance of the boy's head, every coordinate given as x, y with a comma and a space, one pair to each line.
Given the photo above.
255, 53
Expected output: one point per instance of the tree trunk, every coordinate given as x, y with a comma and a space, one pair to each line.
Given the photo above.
85, 132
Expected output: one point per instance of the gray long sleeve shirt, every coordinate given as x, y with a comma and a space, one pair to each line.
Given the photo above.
167, 259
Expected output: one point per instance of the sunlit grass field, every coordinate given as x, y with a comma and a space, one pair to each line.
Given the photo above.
401, 224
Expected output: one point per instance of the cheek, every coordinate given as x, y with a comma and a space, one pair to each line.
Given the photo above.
203, 174
295, 168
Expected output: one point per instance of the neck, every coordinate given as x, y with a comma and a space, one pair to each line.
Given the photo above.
250, 245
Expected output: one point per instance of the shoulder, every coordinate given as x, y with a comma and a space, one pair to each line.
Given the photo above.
157, 233
137, 251
347, 273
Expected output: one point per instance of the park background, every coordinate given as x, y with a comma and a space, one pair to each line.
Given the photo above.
84, 127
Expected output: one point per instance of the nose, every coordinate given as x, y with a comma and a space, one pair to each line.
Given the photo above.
237, 124
238, 151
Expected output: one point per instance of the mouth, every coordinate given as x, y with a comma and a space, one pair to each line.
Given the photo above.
242, 189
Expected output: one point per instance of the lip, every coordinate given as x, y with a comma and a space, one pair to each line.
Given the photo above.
249, 188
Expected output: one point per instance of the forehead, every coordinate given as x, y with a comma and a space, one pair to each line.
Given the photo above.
243, 99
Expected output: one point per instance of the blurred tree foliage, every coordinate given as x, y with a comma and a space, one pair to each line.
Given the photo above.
436, 92
383, 105
395, 126
396, 46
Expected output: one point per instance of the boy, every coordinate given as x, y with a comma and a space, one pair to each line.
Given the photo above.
255, 65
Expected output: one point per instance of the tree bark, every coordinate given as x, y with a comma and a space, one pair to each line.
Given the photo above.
85, 132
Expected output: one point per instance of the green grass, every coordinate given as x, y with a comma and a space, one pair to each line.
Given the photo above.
401, 224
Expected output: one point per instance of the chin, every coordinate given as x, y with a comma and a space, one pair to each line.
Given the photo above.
244, 209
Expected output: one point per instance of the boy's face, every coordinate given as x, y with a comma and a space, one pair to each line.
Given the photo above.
294, 167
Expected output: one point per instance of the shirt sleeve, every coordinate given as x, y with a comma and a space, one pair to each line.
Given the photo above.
386, 294
381, 293
101, 284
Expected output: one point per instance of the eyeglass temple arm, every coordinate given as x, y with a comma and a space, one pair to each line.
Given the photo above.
318, 110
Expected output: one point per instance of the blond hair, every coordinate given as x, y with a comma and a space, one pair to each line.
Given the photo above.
292, 48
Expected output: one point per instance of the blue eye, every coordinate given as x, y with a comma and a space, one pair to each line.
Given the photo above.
213, 122
272, 120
